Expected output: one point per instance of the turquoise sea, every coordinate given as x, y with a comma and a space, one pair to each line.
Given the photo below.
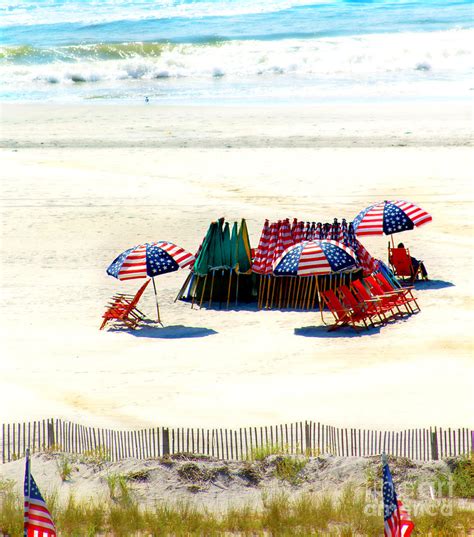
234, 51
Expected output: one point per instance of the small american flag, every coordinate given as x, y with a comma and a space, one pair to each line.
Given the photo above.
397, 522
37, 520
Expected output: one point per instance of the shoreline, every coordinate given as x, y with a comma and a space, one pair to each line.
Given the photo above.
287, 126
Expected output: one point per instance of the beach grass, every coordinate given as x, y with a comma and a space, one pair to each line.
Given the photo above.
309, 514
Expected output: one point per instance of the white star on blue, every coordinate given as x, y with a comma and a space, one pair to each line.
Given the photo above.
158, 261
395, 220
288, 266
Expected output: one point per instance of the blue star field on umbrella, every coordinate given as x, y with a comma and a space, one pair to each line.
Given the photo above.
395, 220
116, 265
288, 266
337, 258
158, 261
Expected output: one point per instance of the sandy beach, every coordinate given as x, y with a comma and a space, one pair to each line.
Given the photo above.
81, 183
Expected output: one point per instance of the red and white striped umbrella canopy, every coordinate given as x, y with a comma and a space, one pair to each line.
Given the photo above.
388, 217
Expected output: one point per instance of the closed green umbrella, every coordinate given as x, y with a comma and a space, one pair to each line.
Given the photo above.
244, 254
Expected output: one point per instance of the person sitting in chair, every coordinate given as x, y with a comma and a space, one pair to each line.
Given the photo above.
417, 265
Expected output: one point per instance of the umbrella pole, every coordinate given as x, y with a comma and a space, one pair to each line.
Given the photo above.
212, 288
203, 289
275, 283
295, 305
393, 244
157, 306
320, 301
315, 293
268, 291
282, 281
237, 290
228, 290
308, 301
290, 289
259, 301
193, 295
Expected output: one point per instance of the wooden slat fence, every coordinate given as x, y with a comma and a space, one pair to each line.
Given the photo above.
233, 444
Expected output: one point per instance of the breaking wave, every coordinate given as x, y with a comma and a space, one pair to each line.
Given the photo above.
438, 54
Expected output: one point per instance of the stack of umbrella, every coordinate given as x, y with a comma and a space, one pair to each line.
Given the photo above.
277, 289
223, 267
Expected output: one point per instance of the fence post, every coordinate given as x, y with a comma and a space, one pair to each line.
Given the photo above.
307, 438
434, 444
50, 433
166, 441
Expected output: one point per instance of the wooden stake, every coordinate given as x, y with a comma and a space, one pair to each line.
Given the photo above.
237, 290
268, 290
203, 289
275, 280
297, 292
259, 301
309, 292
290, 290
193, 291
212, 288
228, 290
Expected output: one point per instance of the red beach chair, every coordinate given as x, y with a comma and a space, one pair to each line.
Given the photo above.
400, 262
371, 308
124, 310
391, 297
406, 292
342, 315
385, 306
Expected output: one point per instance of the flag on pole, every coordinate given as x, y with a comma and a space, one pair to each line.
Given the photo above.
37, 519
397, 522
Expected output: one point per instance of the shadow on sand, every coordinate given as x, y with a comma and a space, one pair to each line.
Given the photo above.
155, 331
422, 285
343, 332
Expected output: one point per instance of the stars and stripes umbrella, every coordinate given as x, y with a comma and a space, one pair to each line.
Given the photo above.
315, 258
390, 217
150, 260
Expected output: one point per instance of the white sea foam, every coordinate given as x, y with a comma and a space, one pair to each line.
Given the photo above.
341, 65
447, 53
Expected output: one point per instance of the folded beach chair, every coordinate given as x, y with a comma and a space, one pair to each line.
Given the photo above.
385, 305
401, 264
124, 310
343, 316
407, 293
372, 308
391, 297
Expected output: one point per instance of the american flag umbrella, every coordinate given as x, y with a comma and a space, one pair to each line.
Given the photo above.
390, 217
149, 260
315, 258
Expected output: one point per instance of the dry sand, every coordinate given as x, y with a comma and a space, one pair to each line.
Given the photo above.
82, 183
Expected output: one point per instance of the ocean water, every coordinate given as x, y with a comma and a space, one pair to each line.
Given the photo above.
234, 51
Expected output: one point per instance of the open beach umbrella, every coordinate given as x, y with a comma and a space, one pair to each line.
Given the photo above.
388, 217
315, 258
150, 260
